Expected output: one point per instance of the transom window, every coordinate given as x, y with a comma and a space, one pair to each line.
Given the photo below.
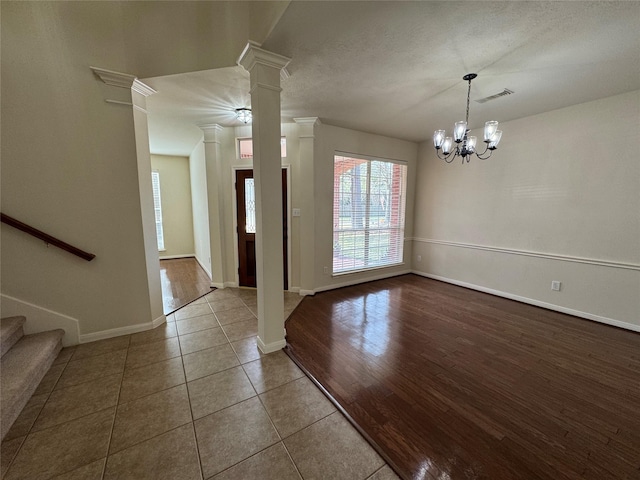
245, 147
368, 212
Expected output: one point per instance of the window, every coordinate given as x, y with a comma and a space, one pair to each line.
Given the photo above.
245, 147
368, 213
157, 207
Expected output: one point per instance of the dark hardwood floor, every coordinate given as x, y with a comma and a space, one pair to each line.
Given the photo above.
183, 280
451, 383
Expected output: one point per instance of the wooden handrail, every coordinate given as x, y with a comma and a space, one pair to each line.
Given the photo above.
46, 237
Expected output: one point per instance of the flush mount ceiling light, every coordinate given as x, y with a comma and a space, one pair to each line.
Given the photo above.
466, 144
244, 115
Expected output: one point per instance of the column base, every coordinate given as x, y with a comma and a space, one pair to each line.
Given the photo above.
271, 347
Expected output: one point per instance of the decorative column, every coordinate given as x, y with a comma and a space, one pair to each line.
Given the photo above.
213, 162
265, 69
306, 129
139, 93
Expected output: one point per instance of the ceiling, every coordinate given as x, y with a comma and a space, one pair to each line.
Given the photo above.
395, 68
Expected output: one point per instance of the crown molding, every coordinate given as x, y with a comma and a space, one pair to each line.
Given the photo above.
142, 88
116, 79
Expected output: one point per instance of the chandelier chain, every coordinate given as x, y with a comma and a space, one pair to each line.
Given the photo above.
468, 97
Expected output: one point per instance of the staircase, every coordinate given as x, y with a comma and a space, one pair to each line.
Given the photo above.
25, 360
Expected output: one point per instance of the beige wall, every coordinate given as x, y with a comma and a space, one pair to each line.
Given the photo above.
175, 194
559, 200
198, 177
69, 167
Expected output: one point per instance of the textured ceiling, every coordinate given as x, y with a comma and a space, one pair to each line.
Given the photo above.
395, 68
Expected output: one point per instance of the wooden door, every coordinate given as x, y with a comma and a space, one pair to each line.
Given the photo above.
246, 202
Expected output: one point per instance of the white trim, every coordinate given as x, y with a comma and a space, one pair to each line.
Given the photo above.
40, 319
527, 253
367, 269
305, 293
294, 289
113, 78
537, 303
118, 102
217, 285
271, 347
142, 88
355, 282
206, 270
230, 285
170, 257
117, 332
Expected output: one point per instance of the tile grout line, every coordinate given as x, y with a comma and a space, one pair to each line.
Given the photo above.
115, 413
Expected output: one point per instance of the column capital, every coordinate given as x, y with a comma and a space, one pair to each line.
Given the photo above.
310, 121
211, 132
253, 55
123, 80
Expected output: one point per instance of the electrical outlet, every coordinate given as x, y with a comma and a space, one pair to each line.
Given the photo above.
419, 258
326, 270
555, 285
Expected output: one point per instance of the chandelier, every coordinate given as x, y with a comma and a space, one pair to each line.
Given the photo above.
465, 143
244, 114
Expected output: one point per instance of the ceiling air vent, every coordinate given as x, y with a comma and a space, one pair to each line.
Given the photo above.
506, 91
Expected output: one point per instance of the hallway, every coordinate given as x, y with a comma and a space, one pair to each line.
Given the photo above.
182, 280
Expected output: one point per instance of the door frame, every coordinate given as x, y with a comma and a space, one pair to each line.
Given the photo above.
234, 204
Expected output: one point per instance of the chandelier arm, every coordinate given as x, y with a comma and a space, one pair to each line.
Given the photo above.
484, 158
446, 158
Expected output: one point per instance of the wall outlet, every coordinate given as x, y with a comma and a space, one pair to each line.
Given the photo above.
326, 270
296, 212
419, 258
555, 285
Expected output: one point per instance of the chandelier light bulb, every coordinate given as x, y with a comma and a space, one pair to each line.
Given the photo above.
446, 146
459, 129
495, 140
471, 144
490, 129
438, 138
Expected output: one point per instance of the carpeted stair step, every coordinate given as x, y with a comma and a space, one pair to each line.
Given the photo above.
11, 331
23, 367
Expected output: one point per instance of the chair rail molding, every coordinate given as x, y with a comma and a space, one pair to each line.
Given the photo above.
528, 253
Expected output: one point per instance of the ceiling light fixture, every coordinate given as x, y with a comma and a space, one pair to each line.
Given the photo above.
244, 115
466, 144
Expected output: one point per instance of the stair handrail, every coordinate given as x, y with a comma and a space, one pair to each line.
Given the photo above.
48, 239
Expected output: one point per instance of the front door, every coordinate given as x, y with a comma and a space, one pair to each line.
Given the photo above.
246, 201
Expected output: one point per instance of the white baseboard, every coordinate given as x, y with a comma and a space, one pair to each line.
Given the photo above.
217, 285
294, 289
534, 302
172, 257
116, 332
349, 283
230, 284
304, 293
203, 267
40, 319
271, 347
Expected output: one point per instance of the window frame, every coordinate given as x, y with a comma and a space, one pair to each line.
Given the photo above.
398, 231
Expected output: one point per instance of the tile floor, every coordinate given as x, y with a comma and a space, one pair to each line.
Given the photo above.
191, 399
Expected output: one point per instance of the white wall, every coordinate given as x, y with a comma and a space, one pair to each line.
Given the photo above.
175, 195
198, 175
330, 139
559, 200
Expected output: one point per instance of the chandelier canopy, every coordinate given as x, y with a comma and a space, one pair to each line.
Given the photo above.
465, 143
244, 115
